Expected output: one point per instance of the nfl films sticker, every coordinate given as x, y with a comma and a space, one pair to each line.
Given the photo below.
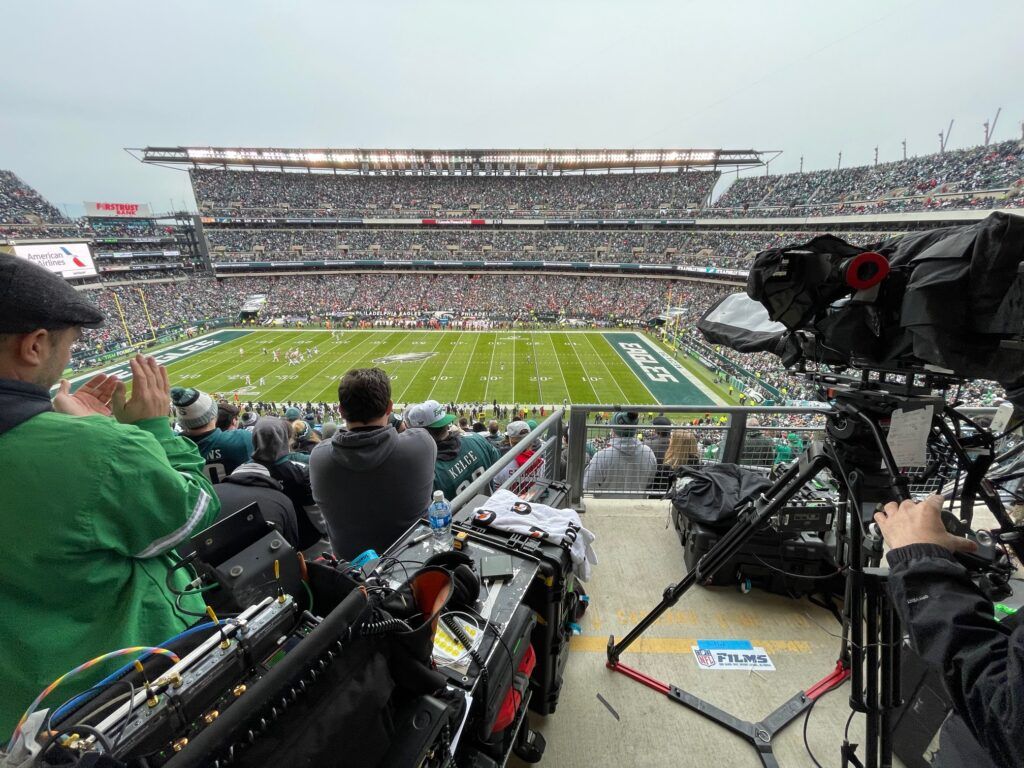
731, 655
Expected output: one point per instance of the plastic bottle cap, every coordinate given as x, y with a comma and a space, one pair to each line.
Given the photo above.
438, 496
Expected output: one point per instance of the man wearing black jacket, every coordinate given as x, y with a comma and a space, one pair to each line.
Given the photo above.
951, 626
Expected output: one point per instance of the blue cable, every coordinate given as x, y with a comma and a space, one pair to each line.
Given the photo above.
94, 690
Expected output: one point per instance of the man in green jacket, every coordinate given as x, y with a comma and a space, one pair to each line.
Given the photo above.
96, 490
461, 457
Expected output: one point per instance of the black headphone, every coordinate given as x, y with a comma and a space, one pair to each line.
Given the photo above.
465, 581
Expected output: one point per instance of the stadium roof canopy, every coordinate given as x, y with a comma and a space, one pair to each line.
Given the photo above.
452, 161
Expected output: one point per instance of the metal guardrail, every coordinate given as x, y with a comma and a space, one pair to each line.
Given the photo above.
548, 435
595, 458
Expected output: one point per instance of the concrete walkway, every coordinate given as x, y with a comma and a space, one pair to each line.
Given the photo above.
640, 555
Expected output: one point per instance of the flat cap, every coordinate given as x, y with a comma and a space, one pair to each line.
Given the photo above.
33, 297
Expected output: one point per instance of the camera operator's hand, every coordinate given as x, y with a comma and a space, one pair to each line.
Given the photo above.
914, 522
151, 392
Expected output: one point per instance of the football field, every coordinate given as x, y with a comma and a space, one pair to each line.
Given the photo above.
524, 367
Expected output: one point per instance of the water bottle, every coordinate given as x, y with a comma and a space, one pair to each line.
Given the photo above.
440, 515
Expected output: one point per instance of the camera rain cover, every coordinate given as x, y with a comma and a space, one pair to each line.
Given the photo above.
797, 283
950, 298
964, 296
740, 323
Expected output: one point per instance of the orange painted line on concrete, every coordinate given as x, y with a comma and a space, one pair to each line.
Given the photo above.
595, 644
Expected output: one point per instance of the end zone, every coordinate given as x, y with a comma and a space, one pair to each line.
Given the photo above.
665, 377
171, 354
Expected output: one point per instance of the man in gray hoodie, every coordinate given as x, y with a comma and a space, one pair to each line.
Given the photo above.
370, 481
625, 467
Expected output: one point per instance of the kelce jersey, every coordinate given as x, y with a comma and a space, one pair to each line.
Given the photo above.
223, 452
475, 456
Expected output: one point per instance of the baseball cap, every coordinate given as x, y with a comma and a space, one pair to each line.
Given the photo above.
33, 297
517, 429
429, 414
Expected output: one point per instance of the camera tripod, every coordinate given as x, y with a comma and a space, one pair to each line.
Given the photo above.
857, 455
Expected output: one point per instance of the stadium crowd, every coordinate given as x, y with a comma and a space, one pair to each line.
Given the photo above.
150, 308
663, 194
942, 180
730, 249
21, 204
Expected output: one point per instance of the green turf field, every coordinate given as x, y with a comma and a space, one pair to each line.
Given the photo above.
525, 367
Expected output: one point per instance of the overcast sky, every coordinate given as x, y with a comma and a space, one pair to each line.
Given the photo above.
79, 81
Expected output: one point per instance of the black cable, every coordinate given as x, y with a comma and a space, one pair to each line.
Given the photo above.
807, 744
48, 724
177, 605
837, 572
128, 714
490, 625
846, 730
807, 718
78, 727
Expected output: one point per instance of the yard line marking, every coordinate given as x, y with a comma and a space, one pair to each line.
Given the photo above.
625, 398
316, 359
303, 383
536, 366
583, 368
558, 365
437, 379
487, 384
469, 363
222, 358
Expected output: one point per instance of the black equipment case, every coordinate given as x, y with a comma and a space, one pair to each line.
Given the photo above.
555, 596
766, 560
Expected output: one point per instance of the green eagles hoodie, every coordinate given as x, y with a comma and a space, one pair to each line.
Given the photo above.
89, 509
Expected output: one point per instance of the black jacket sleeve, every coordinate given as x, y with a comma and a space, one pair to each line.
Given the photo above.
951, 625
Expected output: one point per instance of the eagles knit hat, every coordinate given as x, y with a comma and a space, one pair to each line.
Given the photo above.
293, 413
517, 429
429, 414
249, 418
33, 297
623, 417
194, 408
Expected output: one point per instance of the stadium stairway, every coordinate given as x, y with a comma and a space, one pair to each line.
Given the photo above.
639, 556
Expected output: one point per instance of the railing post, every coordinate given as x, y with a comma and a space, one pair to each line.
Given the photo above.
731, 449
556, 450
577, 455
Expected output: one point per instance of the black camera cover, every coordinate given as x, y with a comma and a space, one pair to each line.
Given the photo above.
952, 300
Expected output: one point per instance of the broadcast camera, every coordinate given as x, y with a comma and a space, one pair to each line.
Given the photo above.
883, 333
947, 301
911, 315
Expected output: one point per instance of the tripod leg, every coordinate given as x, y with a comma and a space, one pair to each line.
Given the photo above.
891, 693
749, 522
871, 671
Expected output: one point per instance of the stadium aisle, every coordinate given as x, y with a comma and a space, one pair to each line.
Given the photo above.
639, 556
